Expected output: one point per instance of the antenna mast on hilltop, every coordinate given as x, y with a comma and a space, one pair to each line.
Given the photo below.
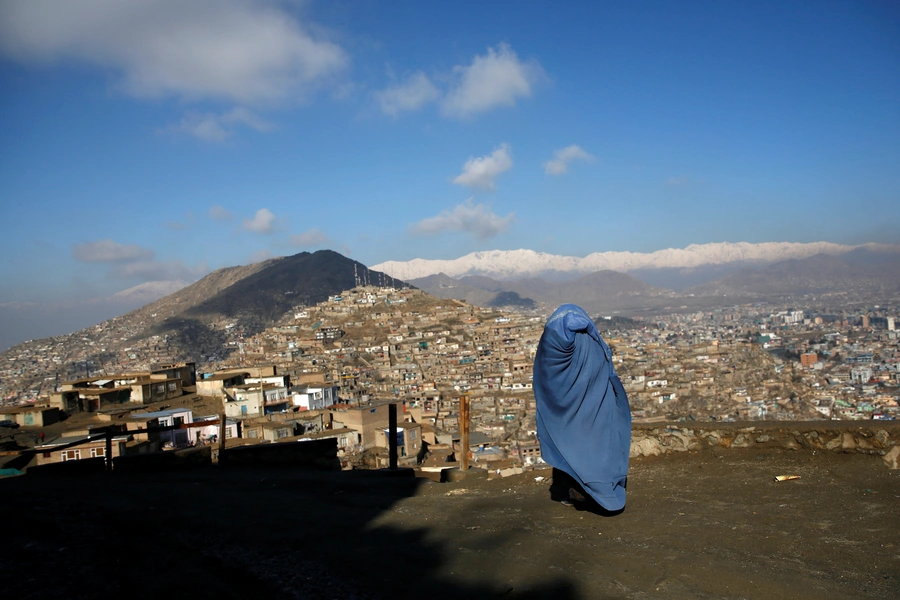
355, 276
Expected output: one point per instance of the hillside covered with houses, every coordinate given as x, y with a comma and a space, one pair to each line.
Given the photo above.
331, 370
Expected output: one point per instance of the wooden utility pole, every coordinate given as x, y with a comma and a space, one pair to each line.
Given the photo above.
109, 460
222, 426
464, 433
392, 434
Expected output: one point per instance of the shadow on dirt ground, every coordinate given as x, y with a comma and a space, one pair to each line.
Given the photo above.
230, 533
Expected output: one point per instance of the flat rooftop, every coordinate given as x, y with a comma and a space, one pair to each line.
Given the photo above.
698, 524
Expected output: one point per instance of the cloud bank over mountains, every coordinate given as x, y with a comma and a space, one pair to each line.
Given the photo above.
517, 264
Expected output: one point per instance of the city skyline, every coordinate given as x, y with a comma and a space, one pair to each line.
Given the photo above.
164, 141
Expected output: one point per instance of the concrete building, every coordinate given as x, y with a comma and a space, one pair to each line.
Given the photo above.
256, 400
210, 433
809, 359
367, 420
215, 384
409, 442
89, 395
310, 397
176, 438
31, 416
48, 453
155, 388
186, 372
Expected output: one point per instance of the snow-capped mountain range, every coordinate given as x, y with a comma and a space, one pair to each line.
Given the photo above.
518, 264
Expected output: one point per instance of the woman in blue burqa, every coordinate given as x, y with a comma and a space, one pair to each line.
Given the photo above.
583, 417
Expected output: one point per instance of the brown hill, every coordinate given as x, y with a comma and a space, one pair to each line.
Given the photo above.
200, 320
596, 292
473, 289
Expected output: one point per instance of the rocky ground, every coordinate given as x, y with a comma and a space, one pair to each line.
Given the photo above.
707, 524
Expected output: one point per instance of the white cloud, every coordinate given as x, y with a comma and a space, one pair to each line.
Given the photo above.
220, 213
259, 256
475, 219
211, 127
496, 79
309, 238
412, 94
479, 173
562, 158
263, 222
155, 270
128, 261
109, 251
240, 50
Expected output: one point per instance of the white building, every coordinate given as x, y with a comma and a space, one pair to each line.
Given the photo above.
314, 398
177, 438
860, 374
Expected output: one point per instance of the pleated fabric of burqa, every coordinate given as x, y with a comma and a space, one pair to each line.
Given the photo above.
583, 417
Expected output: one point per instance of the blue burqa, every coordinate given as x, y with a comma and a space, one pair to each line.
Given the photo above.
583, 417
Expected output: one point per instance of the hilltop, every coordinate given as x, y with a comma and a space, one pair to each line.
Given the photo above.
709, 524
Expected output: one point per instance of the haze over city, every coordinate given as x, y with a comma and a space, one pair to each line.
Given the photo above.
153, 142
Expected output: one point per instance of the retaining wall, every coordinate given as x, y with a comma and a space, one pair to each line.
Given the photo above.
877, 438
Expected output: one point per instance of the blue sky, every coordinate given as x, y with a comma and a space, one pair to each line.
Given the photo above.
158, 140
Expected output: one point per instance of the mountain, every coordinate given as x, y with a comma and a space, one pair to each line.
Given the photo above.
694, 261
201, 319
512, 301
480, 291
256, 296
861, 270
597, 292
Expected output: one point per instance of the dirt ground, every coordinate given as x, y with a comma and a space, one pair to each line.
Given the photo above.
712, 524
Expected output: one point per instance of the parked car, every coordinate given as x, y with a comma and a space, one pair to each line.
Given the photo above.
8, 423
